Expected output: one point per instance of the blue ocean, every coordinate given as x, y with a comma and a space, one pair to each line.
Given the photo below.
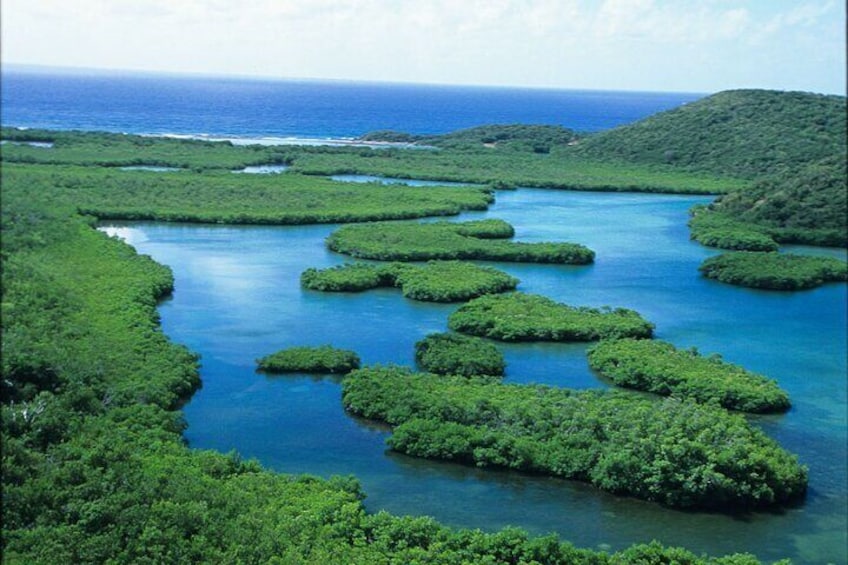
167, 104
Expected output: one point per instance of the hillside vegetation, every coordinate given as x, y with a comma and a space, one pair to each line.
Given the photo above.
744, 133
791, 144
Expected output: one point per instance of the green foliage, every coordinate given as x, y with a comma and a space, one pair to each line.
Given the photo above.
322, 359
715, 229
774, 271
120, 150
743, 133
676, 453
455, 354
513, 162
793, 144
658, 367
222, 197
350, 277
805, 206
500, 166
436, 281
531, 317
450, 281
516, 137
394, 241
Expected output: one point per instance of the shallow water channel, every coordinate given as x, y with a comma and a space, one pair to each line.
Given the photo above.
238, 297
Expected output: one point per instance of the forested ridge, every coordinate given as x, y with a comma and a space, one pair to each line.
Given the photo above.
792, 145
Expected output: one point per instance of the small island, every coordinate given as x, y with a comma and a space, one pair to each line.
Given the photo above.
480, 239
659, 367
774, 271
530, 317
456, 354
322, 359
435, 281
677, 453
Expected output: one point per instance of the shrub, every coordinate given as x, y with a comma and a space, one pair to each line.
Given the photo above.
658, 367
323, 359
530, 317
774, 271
454, 354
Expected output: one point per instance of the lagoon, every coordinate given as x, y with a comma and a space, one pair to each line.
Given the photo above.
238, 298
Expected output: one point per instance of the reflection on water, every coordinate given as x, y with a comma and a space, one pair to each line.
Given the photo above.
394, 180
264, 169
151, 169
238, 297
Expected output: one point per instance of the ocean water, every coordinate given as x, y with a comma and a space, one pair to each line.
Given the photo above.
166, 104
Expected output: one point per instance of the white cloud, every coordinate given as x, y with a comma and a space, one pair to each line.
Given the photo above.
631, 44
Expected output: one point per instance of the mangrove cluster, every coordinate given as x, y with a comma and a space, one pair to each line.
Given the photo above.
774, 271
677, 453
222, 197
456, 354
435, 281
321, 359
481, 239
660, 368
531, 317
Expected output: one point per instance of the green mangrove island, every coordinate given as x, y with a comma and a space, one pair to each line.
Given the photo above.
457, 354
435, 281
478, 239
774, 271
677, 453
531, 317
321, 359
661, 368
95, 468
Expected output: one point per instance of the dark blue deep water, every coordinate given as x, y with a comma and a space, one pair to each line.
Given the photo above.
249, 108
238, 297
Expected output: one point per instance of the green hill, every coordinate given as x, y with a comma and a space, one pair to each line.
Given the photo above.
792, 145
743, 133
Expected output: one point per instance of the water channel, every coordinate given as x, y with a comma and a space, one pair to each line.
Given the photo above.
238, 298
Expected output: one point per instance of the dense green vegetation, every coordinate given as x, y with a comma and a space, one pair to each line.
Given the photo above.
792, 144
504, 167
321, 359
530, 317
456, 354
222, 197
518, 137
121, 150
659, 367
805, 206
509, 164
94, 466
715, 229
774, 271
483, 239
435, 281
745, 133
676, 453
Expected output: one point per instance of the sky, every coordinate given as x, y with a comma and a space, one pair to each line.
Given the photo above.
649, 45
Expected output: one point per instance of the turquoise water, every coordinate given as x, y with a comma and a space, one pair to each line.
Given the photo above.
238, 297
